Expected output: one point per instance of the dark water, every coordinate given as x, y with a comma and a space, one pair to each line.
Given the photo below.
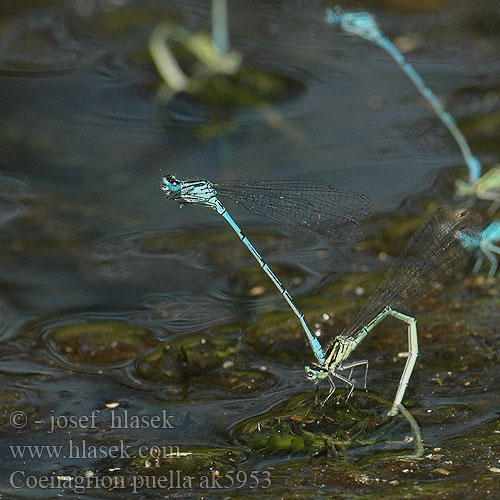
109, 294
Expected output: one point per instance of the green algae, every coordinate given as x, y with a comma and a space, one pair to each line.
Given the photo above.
462, 467
99, 343
301, 426
250, 87
201, 367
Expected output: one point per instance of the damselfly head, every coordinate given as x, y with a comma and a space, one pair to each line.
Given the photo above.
315, 373
191, 192
171, 186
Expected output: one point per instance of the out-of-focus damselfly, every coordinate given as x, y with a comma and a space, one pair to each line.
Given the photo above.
364, 25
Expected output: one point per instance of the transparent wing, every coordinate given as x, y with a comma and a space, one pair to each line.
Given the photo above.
311, 207
439, 248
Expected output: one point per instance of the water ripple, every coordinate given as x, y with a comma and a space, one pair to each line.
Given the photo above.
149, 244
42, 44
13, 192
187, 313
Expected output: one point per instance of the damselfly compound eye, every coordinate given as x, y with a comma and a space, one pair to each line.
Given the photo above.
171, 184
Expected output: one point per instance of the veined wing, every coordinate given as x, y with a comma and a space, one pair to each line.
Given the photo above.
311, 207
439, 248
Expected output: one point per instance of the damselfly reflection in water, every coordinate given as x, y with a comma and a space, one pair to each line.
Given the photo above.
437, 250
311, 207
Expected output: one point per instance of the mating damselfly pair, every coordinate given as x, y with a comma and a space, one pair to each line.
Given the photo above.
435, 252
